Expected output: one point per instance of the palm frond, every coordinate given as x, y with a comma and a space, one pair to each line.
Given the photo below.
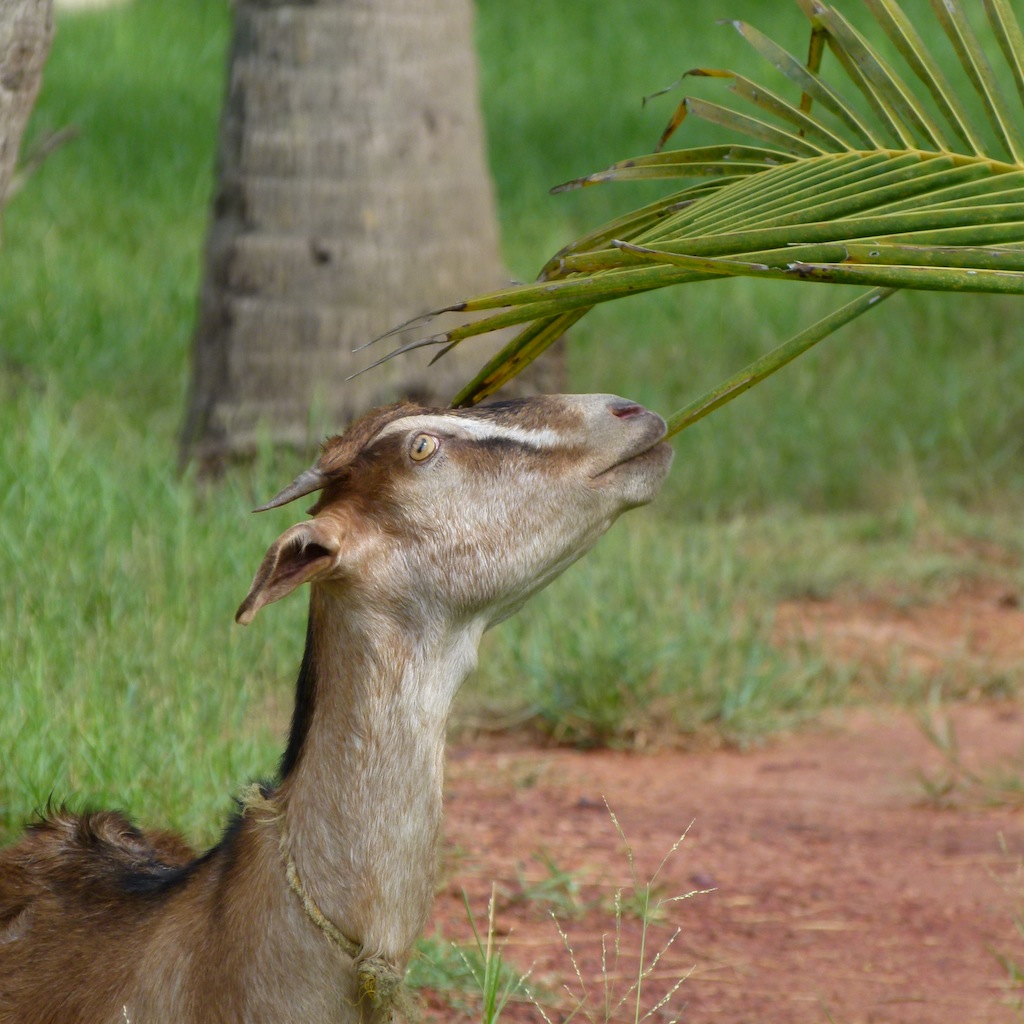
881, 180
979, 71
912, 49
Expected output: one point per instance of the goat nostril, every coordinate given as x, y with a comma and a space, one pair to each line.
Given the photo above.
626, 409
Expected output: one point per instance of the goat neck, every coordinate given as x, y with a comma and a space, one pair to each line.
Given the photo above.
361, 803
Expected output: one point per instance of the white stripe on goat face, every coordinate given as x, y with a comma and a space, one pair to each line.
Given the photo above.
481, 429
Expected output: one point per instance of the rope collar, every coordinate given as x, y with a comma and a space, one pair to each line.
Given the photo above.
379, 983
348, 946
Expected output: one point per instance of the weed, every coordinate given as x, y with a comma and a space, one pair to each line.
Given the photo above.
479, 969
941, 786
684, 646
497, 982
632, 986
557, 891
955, 781
1012, 960
646, 904
638, 992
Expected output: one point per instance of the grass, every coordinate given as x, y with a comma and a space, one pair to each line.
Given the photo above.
119, 647
555, 890
956, 783
1011, 958
648, 644
477, 973
630, 981
603, 657
631, 986
120, 662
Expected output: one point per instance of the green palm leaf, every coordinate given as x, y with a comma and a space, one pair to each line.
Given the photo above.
883, 180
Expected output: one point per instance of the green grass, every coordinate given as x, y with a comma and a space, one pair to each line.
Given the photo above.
955, 783
125, 681
1011, 957
654, 643
476, 981
121, 661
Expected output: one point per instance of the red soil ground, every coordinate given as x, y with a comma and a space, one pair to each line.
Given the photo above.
840, 889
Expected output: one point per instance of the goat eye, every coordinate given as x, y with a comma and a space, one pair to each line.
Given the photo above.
423, 446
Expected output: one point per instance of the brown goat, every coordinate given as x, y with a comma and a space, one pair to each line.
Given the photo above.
431, 526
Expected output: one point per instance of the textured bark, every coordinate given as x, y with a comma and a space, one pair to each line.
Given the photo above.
353, 194
26, 31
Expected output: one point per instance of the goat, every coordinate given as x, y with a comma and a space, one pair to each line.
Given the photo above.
431, 526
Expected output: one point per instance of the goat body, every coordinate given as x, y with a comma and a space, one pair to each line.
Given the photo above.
431, 526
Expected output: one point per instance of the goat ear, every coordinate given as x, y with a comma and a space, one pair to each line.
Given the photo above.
302, 552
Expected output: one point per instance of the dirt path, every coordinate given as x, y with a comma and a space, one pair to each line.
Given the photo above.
838, 893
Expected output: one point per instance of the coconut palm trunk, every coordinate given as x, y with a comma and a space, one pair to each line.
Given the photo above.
352, 193
26, 29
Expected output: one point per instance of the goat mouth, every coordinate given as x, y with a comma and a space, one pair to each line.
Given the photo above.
655, 451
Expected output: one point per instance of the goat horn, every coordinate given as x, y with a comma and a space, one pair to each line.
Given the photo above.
312, 479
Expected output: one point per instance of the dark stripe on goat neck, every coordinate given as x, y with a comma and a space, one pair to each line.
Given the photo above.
305, 696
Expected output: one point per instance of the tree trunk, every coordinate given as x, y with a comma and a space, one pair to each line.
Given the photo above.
26, 31
353, 194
